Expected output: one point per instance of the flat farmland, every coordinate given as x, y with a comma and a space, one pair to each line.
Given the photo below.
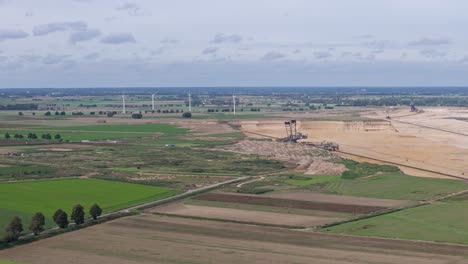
289, 203
99, 132
25, 198
162, 239
444, 221
290, 209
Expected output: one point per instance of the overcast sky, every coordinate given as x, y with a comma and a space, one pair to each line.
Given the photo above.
106, 43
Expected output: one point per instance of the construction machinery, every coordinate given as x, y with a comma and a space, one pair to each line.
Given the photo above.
291, 132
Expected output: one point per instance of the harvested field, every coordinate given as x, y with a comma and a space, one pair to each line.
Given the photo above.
342, 199
249, 216
157, 239
289, 203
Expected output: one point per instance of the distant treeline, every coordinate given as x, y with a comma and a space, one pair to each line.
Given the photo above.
19, 107
394, 101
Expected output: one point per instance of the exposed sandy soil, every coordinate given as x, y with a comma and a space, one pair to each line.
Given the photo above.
244, 215
307, 159
331, 198
391, 140
289, 203
157, 239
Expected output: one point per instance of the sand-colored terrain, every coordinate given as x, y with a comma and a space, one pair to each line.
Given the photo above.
391, 140
157, 239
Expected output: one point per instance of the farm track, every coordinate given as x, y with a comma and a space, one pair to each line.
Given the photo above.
288, 203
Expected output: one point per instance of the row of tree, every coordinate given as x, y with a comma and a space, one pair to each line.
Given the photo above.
33, 136
15, 227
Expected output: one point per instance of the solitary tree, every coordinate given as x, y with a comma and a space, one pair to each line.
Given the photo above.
37, 223
95, 211
13, 230
61, 218
7, 135
187, 115
30, 135
34, 136
78, 214
20, 113
58, 137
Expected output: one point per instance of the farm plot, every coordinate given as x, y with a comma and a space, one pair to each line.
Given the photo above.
25, 198
99, 132
289, 203
443, 221
156, 239
291, 209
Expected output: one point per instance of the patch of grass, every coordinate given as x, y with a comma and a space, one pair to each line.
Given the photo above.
394, 186
9, 262
441, 222
46, 196
14, 172
362, 169
100, 132
307, 180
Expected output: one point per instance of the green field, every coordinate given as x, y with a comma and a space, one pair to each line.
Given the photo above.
394, 186
307, 180
442, 222
99, 132
25, 198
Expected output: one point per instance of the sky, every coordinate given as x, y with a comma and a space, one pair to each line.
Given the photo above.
152, 43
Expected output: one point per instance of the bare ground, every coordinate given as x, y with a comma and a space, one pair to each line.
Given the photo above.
307, 159
158, 239
244, 215
289, 203
392, 140
343, 199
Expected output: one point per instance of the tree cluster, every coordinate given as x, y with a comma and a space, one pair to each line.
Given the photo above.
14, 229
31, 135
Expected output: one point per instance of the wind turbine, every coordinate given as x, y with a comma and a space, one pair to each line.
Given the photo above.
189, 101
123, 104
234, 103
152, 102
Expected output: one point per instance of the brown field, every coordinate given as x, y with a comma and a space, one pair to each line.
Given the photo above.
331, 198
240, 215
289, 203
161, 239
391, 140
